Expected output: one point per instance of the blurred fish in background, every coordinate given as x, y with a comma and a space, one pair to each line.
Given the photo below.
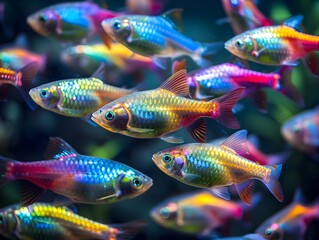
144, 7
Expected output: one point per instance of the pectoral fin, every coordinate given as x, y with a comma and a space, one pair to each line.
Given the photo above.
172, 139
221, 192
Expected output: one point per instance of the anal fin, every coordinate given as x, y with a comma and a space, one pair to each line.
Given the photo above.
198, 130
245, 191
30, 193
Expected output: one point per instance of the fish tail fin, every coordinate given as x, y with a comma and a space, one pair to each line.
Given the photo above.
206, 50
126, 231
284, 85
27, 74
273, 184
3, 168
226, 104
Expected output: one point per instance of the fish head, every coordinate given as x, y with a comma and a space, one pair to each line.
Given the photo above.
166, 214
133, 183
8, 221
272, 231
119, 28
47, 96
170, 161
113, 117
45, 22
243, 46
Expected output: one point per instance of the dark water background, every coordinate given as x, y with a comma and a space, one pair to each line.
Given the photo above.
25, 133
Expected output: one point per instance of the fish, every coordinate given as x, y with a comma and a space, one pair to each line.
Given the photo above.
220, 79
71, 22
21, 79
250, 236
290, 222
119, 56
156, 113
302, 131
17, 57
144, 7
79, 178
197, 213
216, 167
277, 45
46, 221
78, 97
158, 37
244, 15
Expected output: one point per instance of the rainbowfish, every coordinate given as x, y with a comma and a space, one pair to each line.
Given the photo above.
210, 166
155, 113
17, 57
71, 22
78, 97
277, 45
80, 178
302, 131
197, 213
220, 79
21, 79
44, 221
244, 15
158, 37
290, 222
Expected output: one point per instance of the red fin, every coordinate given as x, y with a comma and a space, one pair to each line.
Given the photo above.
30, 193
58, 149
227, 102
237, 142
245, 191
198, 130
178, 65
312, 62
127, 230
177, 84
273, 184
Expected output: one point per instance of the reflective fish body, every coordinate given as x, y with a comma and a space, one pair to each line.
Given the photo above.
44, 221
155, 113
156, 36
302, 131
275, 45
70, 22
81, 178
76, 97
290, 222
244, 15
17, 58
211, 166
197, 213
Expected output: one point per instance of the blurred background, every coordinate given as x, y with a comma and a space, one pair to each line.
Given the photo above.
25, 133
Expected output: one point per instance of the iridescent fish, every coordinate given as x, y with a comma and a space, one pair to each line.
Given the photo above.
145, 7
155, 113
158, 37
78, 97
80, 178
71, 22
17, 57
277, 45
44, 221
211, 166
21, 79
290, 222
220, 79
244, 15
198, 213
302, 131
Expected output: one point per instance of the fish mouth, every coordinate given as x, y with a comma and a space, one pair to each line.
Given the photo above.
106, 25
228, 45
34, 95
33, 23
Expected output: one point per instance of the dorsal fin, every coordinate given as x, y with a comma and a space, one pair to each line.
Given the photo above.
100, 72
174, 16
58, 149
295, 23
177, 83
237, 142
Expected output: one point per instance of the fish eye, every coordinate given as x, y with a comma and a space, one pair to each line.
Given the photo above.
117, 26
167, 158
239, 43
109, 115
268, 232
137, 182
165, 212
42, 18
44, 93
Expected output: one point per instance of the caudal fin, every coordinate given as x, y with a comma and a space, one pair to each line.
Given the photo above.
3, 167
206, 50
127, 231
226, 104
273, 184
286, 87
